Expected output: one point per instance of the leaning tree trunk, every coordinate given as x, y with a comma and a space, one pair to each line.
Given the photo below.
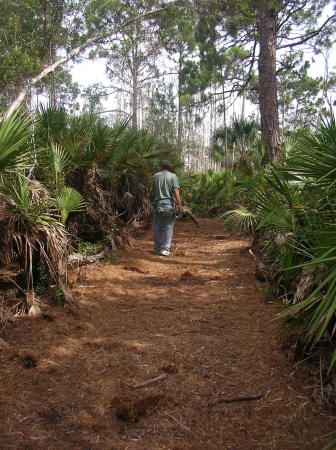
268, 100
49, 69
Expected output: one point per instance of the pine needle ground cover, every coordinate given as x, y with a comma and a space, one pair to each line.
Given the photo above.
198, 323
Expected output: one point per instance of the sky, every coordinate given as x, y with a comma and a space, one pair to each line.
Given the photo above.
89, 72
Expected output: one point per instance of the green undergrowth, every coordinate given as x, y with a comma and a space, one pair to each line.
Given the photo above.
290, 210
90, 248
69, 183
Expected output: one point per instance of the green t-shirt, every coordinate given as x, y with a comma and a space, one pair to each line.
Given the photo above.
164, 182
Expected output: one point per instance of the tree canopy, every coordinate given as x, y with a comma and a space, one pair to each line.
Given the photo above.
214, 54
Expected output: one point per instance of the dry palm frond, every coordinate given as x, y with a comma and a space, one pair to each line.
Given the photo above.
30, 234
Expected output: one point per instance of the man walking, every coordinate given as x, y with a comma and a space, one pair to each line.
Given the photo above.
166, 194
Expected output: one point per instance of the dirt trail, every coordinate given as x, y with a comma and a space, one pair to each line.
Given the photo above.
199, 318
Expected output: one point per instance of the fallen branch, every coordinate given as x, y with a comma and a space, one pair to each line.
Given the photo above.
164, 308
246, 398
224, 327
80, 259
150, 382
184, 332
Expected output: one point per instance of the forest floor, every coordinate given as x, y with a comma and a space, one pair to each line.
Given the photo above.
200, 320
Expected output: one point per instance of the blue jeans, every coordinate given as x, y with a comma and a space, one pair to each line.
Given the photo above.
163, 227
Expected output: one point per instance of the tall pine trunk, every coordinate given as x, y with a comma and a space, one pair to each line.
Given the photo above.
268, 100
135, 88
135, 100
225, 127
179, 112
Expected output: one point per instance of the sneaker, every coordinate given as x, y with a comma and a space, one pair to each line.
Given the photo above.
157, 252
165, 253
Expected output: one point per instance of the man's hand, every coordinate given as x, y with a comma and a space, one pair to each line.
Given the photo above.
176, 193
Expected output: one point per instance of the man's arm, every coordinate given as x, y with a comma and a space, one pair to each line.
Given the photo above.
176, 193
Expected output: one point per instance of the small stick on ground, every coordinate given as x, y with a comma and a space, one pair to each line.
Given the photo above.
150, 382
246, 398
321, 379
184, 427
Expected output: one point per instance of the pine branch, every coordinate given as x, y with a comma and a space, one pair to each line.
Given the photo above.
308, 36
248, 79
291, 12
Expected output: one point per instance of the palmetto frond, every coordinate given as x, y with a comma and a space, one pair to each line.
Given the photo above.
277, 203
30, 199
313, 162
320, 305
241, 217
52, 123
242, 134
59, 158
16, 151
272, 212
315, 155
69, 200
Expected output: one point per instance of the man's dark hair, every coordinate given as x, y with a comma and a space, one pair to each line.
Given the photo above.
165, 164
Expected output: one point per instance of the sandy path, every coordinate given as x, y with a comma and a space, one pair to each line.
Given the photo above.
199, 317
